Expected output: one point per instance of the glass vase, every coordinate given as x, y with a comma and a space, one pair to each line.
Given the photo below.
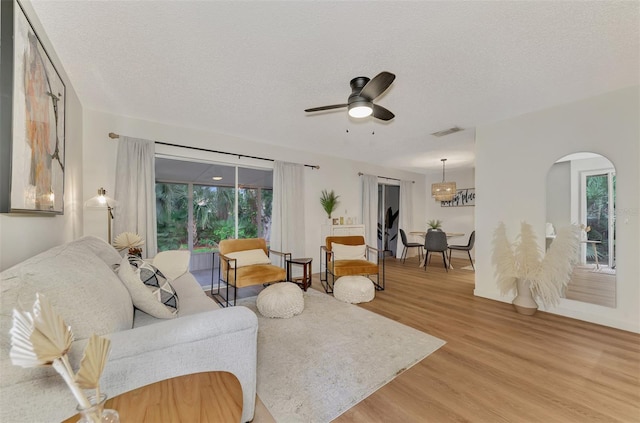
96, 413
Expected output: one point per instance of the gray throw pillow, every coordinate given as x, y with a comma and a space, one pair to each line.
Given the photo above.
150, 290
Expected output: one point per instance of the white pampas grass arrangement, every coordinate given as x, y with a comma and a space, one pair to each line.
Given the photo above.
548, 276
42, 338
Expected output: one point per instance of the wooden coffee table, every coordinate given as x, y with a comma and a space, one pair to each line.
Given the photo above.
199, 397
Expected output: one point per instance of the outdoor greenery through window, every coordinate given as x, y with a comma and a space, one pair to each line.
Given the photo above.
196, 204
600, 209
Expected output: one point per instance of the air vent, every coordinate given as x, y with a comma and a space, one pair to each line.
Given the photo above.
447, 131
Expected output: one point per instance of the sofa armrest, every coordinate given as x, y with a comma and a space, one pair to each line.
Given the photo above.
217, 340
224, 339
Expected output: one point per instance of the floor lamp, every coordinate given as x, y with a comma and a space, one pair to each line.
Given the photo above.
101, 201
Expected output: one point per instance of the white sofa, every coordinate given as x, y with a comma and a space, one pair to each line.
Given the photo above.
79, 281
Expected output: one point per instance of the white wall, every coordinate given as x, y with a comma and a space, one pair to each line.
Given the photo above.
454, 219
24, 236
516, 154
559, 195
334, 173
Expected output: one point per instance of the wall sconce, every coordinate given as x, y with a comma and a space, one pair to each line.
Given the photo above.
101, 201
443, 191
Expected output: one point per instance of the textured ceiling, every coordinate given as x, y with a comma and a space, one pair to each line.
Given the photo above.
250, 68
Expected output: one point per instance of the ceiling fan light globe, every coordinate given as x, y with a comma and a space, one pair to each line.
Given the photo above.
360, 109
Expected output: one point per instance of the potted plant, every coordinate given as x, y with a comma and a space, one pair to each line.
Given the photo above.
329, 202
522, 267
435, 224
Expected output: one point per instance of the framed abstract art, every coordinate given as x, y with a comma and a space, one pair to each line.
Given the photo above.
32, 143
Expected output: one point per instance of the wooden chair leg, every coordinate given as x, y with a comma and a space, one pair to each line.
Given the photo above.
444, 259
472, 266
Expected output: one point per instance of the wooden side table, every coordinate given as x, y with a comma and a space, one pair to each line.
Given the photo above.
305, 262
200, 397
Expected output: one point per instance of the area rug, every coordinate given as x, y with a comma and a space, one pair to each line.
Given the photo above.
315, 366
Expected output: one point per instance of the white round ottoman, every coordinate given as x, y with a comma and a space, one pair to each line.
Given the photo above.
354, 289
281, 300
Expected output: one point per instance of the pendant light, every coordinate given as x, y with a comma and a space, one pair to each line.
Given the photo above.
443, 191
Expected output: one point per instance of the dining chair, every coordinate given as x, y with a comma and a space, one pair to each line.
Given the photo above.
436, 242
467, 248
406, 245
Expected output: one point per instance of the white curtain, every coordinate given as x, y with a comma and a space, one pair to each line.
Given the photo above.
406, 212
136, 191
287, 226
370, 209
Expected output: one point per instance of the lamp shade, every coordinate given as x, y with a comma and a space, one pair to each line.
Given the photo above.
443, 191
101, 201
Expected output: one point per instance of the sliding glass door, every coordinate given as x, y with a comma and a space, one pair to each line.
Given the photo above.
200, 204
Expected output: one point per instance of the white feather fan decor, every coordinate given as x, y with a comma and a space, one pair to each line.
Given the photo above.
548, 276
42, 338
127, 240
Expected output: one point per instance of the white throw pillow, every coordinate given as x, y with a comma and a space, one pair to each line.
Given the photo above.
150, 290
248, 258
173, 263
348, 252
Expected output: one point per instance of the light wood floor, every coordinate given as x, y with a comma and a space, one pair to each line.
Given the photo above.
592, 286
497, 365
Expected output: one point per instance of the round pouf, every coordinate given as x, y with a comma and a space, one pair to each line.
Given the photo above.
354, 289
281, 300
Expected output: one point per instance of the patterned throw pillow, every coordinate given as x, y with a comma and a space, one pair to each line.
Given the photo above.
150, 290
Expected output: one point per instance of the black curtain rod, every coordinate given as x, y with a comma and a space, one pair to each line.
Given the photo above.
113, 135
386, 177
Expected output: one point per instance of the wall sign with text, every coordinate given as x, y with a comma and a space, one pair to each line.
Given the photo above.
464, 197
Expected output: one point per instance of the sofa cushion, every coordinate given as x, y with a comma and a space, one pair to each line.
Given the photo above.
81, 287
192, 300
100, 248
172, 263
150, 290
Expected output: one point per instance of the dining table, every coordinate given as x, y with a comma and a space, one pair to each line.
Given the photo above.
423, 234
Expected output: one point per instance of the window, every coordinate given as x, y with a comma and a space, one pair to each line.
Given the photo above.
172, 215
599, 211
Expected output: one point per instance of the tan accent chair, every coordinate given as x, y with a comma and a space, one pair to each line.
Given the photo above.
336, 268
256, 274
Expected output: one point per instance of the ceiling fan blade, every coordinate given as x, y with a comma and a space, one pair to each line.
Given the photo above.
377, 85
381, 113
333, 106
